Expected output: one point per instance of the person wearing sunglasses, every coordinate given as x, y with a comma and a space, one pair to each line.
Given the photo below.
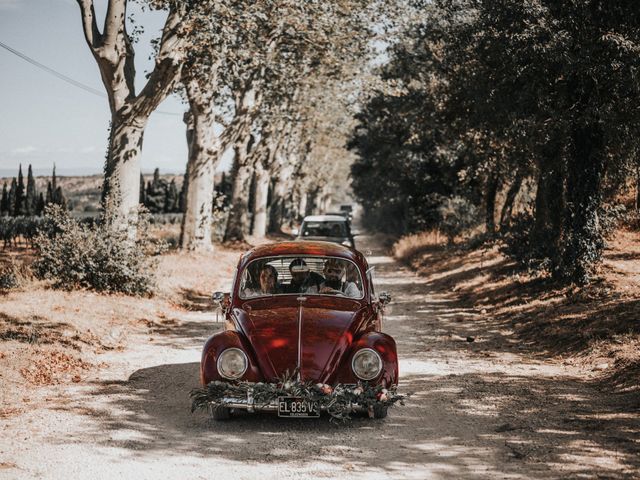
334, 271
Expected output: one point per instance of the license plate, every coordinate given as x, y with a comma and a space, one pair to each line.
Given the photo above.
297, 407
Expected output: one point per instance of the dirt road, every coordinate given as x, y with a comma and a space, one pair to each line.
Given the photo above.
483, 409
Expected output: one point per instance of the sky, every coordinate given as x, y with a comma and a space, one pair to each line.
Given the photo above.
44, 120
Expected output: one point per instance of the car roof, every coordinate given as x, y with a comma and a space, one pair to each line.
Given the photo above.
324, 218
304, 248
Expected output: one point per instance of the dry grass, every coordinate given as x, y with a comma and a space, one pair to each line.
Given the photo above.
411, 246
596, 326
50, 337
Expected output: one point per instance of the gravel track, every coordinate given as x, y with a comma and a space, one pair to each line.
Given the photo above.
482, 409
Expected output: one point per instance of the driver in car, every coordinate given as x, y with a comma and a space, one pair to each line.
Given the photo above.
333, 272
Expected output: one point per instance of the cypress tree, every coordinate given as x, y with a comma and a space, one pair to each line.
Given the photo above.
56, 191
19, 208
171, 201
182, 201
4, 202
156, 180
143, 197
156, 193
54, 182
60, 199
49, 197
31, 202
40, 205
12, 197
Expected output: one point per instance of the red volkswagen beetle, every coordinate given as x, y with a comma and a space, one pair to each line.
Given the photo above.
302, 335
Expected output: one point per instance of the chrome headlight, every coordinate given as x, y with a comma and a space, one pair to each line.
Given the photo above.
366, 364
232, 363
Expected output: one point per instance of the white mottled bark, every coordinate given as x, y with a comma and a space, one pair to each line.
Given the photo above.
302, 206
114, 54
204, 154
281, 196
325, 199
262, 193
238, 223
121, 192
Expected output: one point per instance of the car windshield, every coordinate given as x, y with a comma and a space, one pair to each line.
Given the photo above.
324, 229
308, 275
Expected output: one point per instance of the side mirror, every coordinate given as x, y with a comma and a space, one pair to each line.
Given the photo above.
222, 300
384, 298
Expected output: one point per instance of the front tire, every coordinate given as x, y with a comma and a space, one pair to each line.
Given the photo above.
220, 413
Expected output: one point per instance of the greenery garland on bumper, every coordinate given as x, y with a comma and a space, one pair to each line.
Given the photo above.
337, 401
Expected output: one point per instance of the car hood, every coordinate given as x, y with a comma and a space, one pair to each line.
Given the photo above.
312, 335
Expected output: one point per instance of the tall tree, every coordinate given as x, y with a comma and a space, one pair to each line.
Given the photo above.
113, 51
143, 194
171, 198
49, 197
20, 204
203, 156
4, 201
40, 205
495, 91
31, 201
12, 197
60, 199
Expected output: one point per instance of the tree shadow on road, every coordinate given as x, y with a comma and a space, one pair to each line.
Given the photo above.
461, 426
490, 413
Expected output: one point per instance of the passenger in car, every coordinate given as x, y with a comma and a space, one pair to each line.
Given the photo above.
333, 272
303, 280
267, 283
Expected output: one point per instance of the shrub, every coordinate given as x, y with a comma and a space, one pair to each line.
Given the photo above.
14, 273
77, 254
632, 220
611, 217
9, 276
457, 215
518, 245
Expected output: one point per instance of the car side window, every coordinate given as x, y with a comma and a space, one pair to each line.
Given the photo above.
370, 276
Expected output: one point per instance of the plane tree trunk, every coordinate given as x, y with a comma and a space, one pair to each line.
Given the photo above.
493, 184
546, 233
512, 193
280, 195
238, 223
302, 204
113, 51
586, 168
121, 189
204, 154
261, 198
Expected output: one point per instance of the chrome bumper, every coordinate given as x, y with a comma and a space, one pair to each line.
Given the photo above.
251, 406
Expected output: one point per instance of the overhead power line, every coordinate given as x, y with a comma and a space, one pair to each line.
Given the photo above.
65, 78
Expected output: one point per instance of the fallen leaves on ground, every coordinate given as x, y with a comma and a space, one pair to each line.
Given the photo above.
54, 367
